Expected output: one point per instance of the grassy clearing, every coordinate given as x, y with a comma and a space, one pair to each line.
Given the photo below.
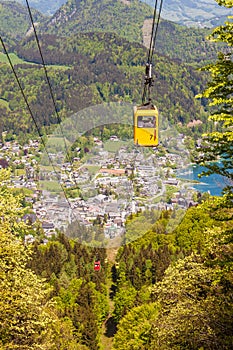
20, 172
16, 60
4, 104
114, 146
93, 169
109, 327
57, 144
48, 168
55, 66
57, 140
51, 186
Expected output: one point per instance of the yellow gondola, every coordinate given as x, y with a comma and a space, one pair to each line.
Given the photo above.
146, 125
146, 116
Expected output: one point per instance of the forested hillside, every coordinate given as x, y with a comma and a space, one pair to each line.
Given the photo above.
192, 13
47, 7
132, 21
163, 285
123, 17
175, 41
15, 21
88, 69
185, 44
195, 292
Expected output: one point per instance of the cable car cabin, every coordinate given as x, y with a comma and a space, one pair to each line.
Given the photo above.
146, 125
97, 265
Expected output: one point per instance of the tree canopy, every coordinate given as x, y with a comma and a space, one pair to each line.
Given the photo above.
24, 315
217, 145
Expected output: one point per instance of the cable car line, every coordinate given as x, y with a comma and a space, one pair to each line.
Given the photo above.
148, 76
52, 96
50, 86
146, 116
33, 118
47, 77
154, 30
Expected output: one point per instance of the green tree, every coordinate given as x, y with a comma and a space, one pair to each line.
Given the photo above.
24, 311
135, 328
124, 299
194, 298
29, 319
218, 143
196, 307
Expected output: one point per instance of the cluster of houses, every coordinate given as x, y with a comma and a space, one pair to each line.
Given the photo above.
124, 183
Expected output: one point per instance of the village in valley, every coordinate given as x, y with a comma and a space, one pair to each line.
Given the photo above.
104, 188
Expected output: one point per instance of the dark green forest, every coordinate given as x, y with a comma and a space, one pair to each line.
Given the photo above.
89, 69
11, 29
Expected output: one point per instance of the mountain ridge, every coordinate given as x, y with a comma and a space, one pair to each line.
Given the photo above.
12, 29
99, 67
47, 7
119, 17
173, 40
108, 67
204, 13
103, 16
192, 13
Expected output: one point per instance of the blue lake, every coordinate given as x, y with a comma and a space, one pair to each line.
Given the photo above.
213, 183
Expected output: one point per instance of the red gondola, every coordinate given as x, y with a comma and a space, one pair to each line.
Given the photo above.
97, 265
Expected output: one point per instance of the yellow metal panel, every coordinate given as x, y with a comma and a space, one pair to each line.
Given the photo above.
144, 135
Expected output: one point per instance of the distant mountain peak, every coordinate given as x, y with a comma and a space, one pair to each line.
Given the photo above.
197, 13
123, 17
193, 13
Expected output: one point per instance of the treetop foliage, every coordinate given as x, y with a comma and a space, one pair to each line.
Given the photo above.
192, 301
88, 69
51, 298
24, 309
217, 145
226, 3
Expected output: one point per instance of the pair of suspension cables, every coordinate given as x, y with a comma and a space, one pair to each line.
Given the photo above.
53, 101
148, 76
146, 92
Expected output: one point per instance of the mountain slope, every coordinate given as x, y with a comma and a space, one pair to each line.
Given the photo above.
188, 12
125, 18
47, 7
179, 42
98, 67
15, 21
131, 20
201, 13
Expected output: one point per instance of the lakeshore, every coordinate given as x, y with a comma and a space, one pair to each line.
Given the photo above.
213, 184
